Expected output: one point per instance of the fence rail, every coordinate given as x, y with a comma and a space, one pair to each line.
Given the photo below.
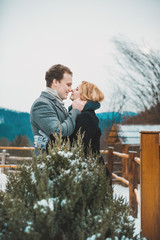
16, 148
120, 179
137, 198
131, 182
9, 166
6, 156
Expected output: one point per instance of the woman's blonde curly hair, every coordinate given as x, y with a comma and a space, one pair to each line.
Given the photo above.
90, 92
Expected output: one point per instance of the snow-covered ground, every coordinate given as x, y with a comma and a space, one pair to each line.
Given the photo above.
3, 180
124, 191
118, 191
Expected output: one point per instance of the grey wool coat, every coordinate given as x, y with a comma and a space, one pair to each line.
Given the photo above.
48, 116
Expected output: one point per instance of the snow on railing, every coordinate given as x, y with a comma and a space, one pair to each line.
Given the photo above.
120, 179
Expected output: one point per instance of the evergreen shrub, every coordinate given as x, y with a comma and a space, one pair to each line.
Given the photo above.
63, 195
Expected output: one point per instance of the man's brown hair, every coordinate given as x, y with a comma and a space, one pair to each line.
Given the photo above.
56, 72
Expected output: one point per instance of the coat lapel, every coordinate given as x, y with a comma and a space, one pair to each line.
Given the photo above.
56, 102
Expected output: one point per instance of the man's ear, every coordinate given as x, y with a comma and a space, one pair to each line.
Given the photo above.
54, 83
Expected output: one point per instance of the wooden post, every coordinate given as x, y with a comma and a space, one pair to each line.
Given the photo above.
3, 159
150, 185
110, 159
124, 162
132, 176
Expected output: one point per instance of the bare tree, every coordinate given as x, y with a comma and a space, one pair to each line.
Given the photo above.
140, 76
114, 110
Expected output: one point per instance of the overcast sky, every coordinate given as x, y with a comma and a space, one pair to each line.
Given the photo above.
36, 34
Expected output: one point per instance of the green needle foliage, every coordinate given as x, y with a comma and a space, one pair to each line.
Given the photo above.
63, 195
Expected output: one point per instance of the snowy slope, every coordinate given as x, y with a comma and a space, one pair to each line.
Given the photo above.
124, 191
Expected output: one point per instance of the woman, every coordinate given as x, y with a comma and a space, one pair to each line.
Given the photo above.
87, 121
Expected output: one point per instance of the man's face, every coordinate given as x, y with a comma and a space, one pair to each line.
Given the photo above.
75, 93
64, 86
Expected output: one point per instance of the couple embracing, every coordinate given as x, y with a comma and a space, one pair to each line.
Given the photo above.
48, 114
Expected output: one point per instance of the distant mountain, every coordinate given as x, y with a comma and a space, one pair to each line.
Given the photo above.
13, 123
106, 119
149, 116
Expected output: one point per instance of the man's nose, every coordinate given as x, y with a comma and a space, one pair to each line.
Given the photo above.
70, 89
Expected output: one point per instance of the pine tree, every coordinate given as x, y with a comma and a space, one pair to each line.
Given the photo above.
4, 141
63, 195
20, 141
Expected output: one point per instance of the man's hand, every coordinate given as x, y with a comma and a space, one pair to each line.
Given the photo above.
78, 104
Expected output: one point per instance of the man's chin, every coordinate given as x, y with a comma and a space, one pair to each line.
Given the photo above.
65, 97
71, 98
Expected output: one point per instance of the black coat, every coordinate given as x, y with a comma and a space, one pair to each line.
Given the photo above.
88, 122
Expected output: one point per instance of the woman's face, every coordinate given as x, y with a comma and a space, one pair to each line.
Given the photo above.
75, 93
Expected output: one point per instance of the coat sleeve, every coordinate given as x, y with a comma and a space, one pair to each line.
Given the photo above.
68, 125
44, 117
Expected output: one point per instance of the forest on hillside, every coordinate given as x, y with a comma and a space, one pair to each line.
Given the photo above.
15, 127
14, 123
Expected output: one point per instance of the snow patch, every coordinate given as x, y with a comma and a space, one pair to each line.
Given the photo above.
3, 181
94, 237
46, 203
65, 154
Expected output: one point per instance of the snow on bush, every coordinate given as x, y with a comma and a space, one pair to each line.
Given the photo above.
63, 196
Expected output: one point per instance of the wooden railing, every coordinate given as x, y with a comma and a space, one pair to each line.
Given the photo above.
149, 162
132, 175
6, 156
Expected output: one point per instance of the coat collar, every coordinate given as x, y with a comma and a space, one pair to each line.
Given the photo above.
90, 105
47, 95
56, 102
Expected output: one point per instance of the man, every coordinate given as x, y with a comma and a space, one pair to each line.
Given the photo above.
48, 114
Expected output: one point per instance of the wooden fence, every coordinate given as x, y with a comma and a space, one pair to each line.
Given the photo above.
132, 175
6, 156
150, 185
149, 162
149, 181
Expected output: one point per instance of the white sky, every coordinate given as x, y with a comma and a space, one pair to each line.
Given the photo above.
36, 34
